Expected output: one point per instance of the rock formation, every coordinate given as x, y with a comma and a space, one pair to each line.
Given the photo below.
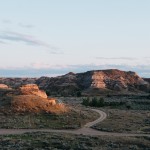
52, 101
32, 89
3, 86
113, 80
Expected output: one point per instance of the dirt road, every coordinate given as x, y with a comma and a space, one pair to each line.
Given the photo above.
86, 130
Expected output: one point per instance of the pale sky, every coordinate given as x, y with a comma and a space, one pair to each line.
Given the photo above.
53, 37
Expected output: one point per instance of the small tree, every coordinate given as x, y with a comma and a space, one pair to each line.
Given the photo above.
86, 101
94, 102
101, 102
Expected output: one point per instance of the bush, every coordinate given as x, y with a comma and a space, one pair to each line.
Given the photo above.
78, 94
94, 102
101, 102
86, 101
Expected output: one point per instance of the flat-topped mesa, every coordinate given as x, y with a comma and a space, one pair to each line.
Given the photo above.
32, 89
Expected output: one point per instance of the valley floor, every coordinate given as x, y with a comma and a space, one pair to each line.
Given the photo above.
122, 129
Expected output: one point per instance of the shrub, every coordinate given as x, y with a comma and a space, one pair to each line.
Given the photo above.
86, 101
78, 93
101, 102
94, 102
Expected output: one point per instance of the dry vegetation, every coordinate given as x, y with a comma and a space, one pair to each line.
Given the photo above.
69, 120
28, 111
128, 121
55, 141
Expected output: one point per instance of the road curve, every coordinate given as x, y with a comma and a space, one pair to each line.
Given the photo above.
103, 116
86, 130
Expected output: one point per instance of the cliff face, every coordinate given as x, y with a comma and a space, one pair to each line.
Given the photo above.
114, 80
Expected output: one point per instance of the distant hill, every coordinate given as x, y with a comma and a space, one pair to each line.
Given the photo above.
147, 80
87, 83
94, 82
17, 82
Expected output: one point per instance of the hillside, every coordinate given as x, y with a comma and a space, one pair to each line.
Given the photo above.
99, 81
17, 82
147, 80
90, 82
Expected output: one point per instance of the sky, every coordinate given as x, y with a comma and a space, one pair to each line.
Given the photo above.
54, 37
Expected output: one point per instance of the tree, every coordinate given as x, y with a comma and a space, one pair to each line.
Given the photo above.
94, 102
86, 101
101, 102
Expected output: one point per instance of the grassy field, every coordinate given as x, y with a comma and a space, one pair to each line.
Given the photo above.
128, 121
55, 141
71, 119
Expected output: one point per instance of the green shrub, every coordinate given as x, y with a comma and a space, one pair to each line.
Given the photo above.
101, 102
78, 94
94, 102
86, 101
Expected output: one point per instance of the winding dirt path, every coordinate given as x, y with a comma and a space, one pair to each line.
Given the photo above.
86, 130
103, 116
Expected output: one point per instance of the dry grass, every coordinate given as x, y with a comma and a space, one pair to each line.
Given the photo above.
130, 121
68, 120
28, 111
51, 141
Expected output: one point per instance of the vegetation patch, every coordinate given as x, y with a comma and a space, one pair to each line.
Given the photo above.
127, 121
42, 140
118, 102
69, 120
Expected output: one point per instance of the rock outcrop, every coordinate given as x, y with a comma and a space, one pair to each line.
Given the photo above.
3, 86
32, 89
28, 98
113, 80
